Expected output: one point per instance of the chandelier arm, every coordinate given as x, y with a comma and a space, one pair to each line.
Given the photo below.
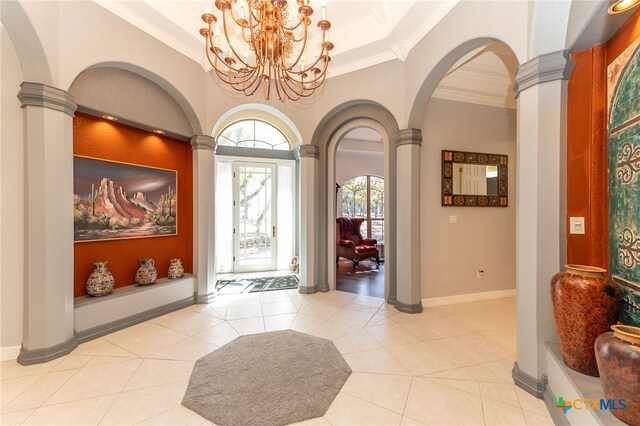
303, 36
226, 36
291, 93
313, 80
220, 58
318, 59
304, 46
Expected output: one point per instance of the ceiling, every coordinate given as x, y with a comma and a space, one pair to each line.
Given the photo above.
386, 30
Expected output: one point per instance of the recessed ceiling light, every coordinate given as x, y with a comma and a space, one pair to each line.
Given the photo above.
622, 6
110, 117
160, 132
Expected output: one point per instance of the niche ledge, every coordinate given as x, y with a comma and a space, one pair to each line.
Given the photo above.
569, 384
125, 306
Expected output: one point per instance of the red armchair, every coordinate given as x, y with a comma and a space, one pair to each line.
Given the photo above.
351, 244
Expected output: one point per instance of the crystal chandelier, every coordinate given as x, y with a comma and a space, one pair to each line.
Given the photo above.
262, 44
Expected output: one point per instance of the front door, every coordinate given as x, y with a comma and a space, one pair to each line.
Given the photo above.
254, 217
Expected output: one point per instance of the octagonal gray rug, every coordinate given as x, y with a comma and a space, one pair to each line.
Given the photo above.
274, 378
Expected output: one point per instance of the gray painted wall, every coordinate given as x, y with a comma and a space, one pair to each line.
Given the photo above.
451, 253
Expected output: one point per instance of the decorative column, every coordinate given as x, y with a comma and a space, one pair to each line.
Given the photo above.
204, 267
48, 311
309, 155
541, 89
408, 143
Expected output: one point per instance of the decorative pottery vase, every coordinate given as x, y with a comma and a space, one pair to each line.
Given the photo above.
618, 356
100, 282
146, 273
585, 305
295, 265
176, 270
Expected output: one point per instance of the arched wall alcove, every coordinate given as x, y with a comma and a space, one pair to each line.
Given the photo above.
332, 128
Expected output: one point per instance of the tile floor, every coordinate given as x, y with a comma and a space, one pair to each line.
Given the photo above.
449, 365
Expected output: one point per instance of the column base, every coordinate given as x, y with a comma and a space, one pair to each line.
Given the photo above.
415, 308
527, 383
307, 290
391, 300
205, 299
323, 288
39, 356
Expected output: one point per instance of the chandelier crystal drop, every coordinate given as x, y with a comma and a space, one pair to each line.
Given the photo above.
266, 43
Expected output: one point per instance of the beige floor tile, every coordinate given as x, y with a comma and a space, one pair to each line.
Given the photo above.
407, 421
101, 347
496, 413
333, 330
135, 406
72, 362
319, 310
279, 322
176, 416
84, 412
218, 335
378, 319
318, 421
531, 403
347, 410
419, 329
279, 308
14, 419
278, 296
36, 394
96, 381
436, 404
306, 323
482, 373
504, 393
384, 390
336, 298
145, 339
155, 372
419, 359
204, 309
11, 369
102, 360
374, 302
536, 419
442, 327
391, 334
356, 318
463, 385
375, 361
188, 323
189, 349
359, 340
241, 312
248, 325
361, 308
11, 388
502, 368
454, 374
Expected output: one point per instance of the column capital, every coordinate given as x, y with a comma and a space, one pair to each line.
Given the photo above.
42, 95
203, 142
541, 69
409, 137
311, 151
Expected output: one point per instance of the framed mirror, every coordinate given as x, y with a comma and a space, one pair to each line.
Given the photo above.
474, 179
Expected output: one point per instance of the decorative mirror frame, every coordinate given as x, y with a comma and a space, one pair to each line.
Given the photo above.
449, 199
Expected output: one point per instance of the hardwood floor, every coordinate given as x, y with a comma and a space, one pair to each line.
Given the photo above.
367, 279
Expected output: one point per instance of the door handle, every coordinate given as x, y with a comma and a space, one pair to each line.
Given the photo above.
273, 231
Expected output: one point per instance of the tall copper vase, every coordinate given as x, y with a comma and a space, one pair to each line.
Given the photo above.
585, 305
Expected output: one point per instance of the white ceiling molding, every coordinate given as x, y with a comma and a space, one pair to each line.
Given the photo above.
472, 97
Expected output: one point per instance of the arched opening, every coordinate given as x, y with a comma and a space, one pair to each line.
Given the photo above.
256, 196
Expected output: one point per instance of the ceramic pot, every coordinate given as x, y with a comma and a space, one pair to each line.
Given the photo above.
100, 282
585, 305
176, 270
294, 267
618, 356
146, 273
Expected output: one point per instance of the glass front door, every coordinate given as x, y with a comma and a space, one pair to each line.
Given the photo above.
254, 211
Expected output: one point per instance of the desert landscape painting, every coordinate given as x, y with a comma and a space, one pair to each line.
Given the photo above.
119, 200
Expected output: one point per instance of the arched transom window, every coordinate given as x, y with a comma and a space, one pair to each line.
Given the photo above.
253, 134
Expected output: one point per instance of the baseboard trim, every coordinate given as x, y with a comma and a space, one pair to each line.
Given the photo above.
307, 290
39, 356
9, 353
558, 416
414, 308
527, 383
391, 300
110, 327
205, 299
466, 298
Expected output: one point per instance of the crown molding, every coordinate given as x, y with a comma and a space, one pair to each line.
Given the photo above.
474, 97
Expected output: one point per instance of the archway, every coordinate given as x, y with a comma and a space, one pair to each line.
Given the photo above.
332, 128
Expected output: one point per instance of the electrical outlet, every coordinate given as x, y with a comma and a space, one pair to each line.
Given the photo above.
453, 219
480, 272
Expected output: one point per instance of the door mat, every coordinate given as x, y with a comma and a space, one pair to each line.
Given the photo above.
256, 285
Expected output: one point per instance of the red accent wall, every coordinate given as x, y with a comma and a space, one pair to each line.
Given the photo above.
99, 138
587, 146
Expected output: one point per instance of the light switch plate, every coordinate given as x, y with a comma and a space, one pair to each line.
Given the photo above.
576, 225
453, 219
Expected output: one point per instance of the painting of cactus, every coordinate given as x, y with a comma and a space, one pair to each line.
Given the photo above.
118, 200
